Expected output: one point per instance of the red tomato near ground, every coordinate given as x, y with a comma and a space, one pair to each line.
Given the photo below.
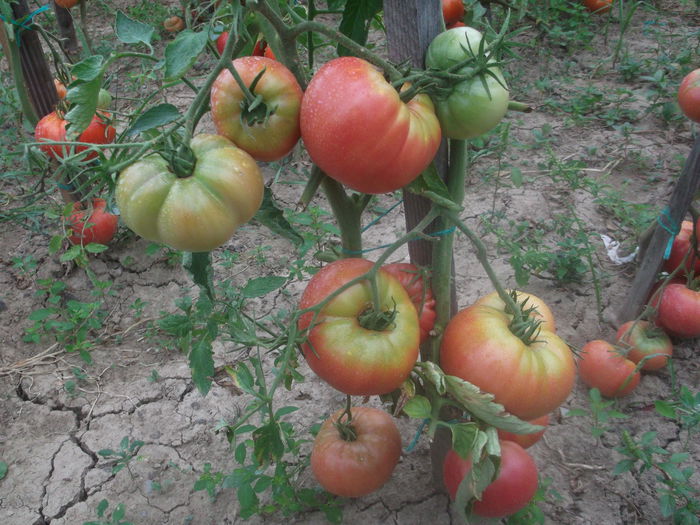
67, 3
262, 49
598, 6
529, 380
452, 11
689, 95
356, 468
542, 310
359, 132
681, 246
421, 295
93, 224
53, 127
512, 489
604, 367
643, 339
265, 137
351, 358
678, 311
526, 440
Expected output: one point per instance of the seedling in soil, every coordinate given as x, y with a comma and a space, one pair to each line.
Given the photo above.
127, 451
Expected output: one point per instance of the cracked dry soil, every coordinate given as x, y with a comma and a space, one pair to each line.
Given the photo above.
51, 435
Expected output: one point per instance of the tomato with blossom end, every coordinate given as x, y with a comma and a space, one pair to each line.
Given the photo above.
452, 11
526, 440
681, 247
678, 310
529, 377
269, 131
606, 368
689, 95
355, 349
643, 339
410, 277
598, 6
513, 488
356, 467
94, 224
52, 127
359, 132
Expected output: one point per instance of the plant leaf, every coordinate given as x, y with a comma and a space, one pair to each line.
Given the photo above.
262, 286
181, 53
357, 16
131, 31
154, 117
273, 218
202, 364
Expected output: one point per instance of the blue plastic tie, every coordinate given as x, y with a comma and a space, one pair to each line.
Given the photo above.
24, 23
670, 226
416, 437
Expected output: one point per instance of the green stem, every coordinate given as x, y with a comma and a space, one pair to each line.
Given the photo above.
310, 46
522, 107
80, 29
11, 46
347, 215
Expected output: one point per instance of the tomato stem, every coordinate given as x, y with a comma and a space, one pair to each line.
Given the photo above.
345, 428
377, 320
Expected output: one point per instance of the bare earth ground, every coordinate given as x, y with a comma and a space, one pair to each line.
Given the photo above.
50, 437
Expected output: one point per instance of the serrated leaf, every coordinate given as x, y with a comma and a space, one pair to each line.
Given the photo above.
199, 266
262, 286
55, 244
131, 31
83, 99
431, 372
272, 217
418, 407
463, 438
246, 497
267, 443
665, 408
181, 53
357, 16
202, 364
154, 117
70, 254
40, 314
280, 413
95, 247
240, 453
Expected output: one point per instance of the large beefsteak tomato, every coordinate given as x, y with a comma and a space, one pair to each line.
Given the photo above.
412, 280
195, 213
604, 367
341, 348
529, 380
359, 132
512, 489
359, 466
476, 105
53, 127
270, 130
678, 310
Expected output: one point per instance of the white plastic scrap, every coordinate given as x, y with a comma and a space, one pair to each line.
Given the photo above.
613, 248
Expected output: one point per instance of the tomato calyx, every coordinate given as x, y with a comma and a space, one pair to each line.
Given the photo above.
525, 325
371, 319
182, 161
254, 110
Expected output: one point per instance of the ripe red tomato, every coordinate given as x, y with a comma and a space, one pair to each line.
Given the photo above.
358, 467
264, 136
643, 339
598, 6
512, 489
604, 367
94, 224
542, 310
357, 129
681, 246
678, 311
421, 295
689, 95
526, 440
452, 11
262, 49
529, 380
67, 3
354, 359
53, 127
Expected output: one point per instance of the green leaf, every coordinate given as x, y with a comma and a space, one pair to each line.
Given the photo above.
284, 411
431, 372
41, 314
95, 247
247, 497
131, 31
273, 218
623, 466
181, 53
665, 408
199, 266
55, 244
3, 469
154, 117
263, 285
516, 176
88, 69
240, 453
268, 445
463, 438
244, 379
202, 364
418, 407
70, 254
431, 186
357, 16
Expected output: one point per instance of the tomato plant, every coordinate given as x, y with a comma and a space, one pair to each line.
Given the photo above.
353, 348
689, 95
94, 224
526, 440
604, 367
452, 11
529, 376
356, 461
512, 489
642, 339
269, 130
681, 247
422, 297
598, 6
475, 105
359, 132
53, 127
194, 212
678, 310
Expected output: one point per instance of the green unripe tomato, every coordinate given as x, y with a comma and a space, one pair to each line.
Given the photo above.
196, 213
104, 99
475, 105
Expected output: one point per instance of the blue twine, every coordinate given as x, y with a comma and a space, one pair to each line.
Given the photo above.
671, 227
387, 212
67, 187
416, 437
360, 252
22, 23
